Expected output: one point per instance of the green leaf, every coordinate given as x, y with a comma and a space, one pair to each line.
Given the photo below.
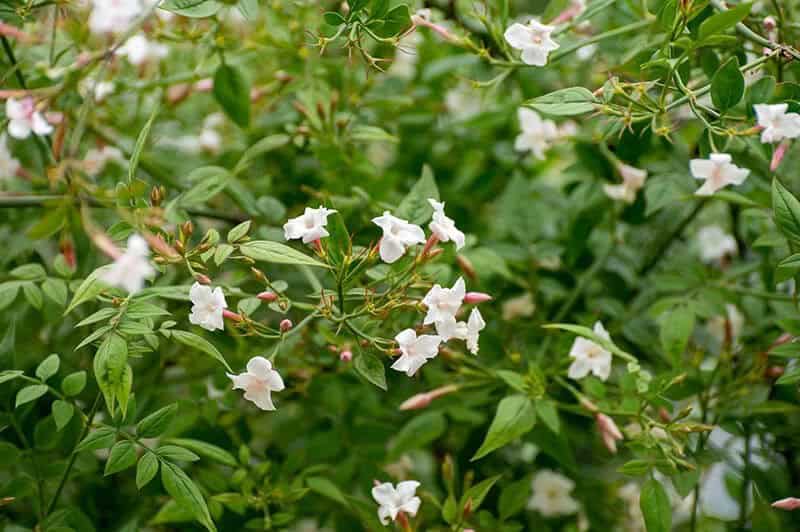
175, 453
28, 272
786, 210
267, 144
55, 289
790, 377
546, 411
727, 85
30, 393
156, 423
676, 328
186, 494
201, 344
474, 496
10, 374
8, 292
122, 456
667, 14
724, 20
206, 450
514, 417
110, 365
88, 290
268, 251
33, 294
396, 20
655, 506
514, 498
326, 488
48, 367
420, 431
192, 8
565, 102
371, 368
62, 413
232, 92
146, 469
100, 438
415, 207
140, 142
238, 232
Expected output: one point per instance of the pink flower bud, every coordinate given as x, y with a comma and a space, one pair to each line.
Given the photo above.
267, 296
231, 315
286, 325
106, 245
770, 23
473, 298
432, 240
789, 503
609, 432
777, 156
202, 279
346, 355
204, 85
421, 400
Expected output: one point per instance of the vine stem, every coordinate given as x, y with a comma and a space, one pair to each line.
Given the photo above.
68, 469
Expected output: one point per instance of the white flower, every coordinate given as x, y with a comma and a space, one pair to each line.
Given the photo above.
207, 306
518, 307
96, 160
415, 351
552, 494
462, 101
9, 166
533, 39
404, 65
475, 325
393, 501
258, 382
718, 172
398, 234
210, 139
537, 135
100, 90
714, 243
632, 180
732, 323
443, 303
443, 227
777, 124
590, 357
113, 16
132, 267
139, 50
23, 118
309, 226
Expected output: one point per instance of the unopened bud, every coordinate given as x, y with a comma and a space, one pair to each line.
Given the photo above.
434, 253
286, 325
466, 266
422, 400
473, 298
202, 278
178, 93
258, 274
346, 355
231, 315
432, 240
283, 76
187, 228
777, 156
156, 197
773, 372
609, 432
664, 415
770, 23
789, 503
267, 296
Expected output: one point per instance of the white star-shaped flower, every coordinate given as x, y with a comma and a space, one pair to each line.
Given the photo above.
443, 227
415, 350
777, 124
718, 172
130, 269
714, 243
258, 382
9, 166
23, 118
309, 226
537, 134
207, 306
632, 181
533, 39
398, 234
443, 303
138, 50
393, 501
552, 494
475, 325
590, 357
113, 16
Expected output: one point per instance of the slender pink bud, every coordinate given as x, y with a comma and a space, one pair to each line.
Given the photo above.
267, 296
204, 85
473, 298
158, 243
777, 157
202, 278
346, 355
770, 23
568, 14
231, 315
286, 325
421, 400
434, 253
106, 245
432, 240
789, 503
316, 244
466, 266
609, 432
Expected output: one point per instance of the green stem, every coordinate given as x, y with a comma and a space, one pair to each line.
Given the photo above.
563, 52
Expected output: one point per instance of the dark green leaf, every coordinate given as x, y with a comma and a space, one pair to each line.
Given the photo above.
727, 86
232, 92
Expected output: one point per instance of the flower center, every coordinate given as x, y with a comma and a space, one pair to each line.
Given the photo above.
309, 223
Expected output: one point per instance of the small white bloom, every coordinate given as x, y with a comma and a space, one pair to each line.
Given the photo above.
309, 226
398, 234
415, 350
777, 124
100, 90
475, 325
632, 181
9, 166
258, 382
443, 303
714, 243
552, 494
533, 39
393, 501
719, 326
462, 102
448, 327
590, 357
139, 50
210, 139
718, 172
537, 135
96, 160
518, 307
113, 16
130, 269
443, 227
207, 306
23, 118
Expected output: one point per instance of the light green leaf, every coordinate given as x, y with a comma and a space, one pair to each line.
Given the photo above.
201, 344
192, 8
415, 206
656, 507
186, 493
720, 22
268, 251
206, 450
156, 423
565, 102
514, 417
62, 413
146, 469
371, 368
30, 393
48, 367
122, 456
